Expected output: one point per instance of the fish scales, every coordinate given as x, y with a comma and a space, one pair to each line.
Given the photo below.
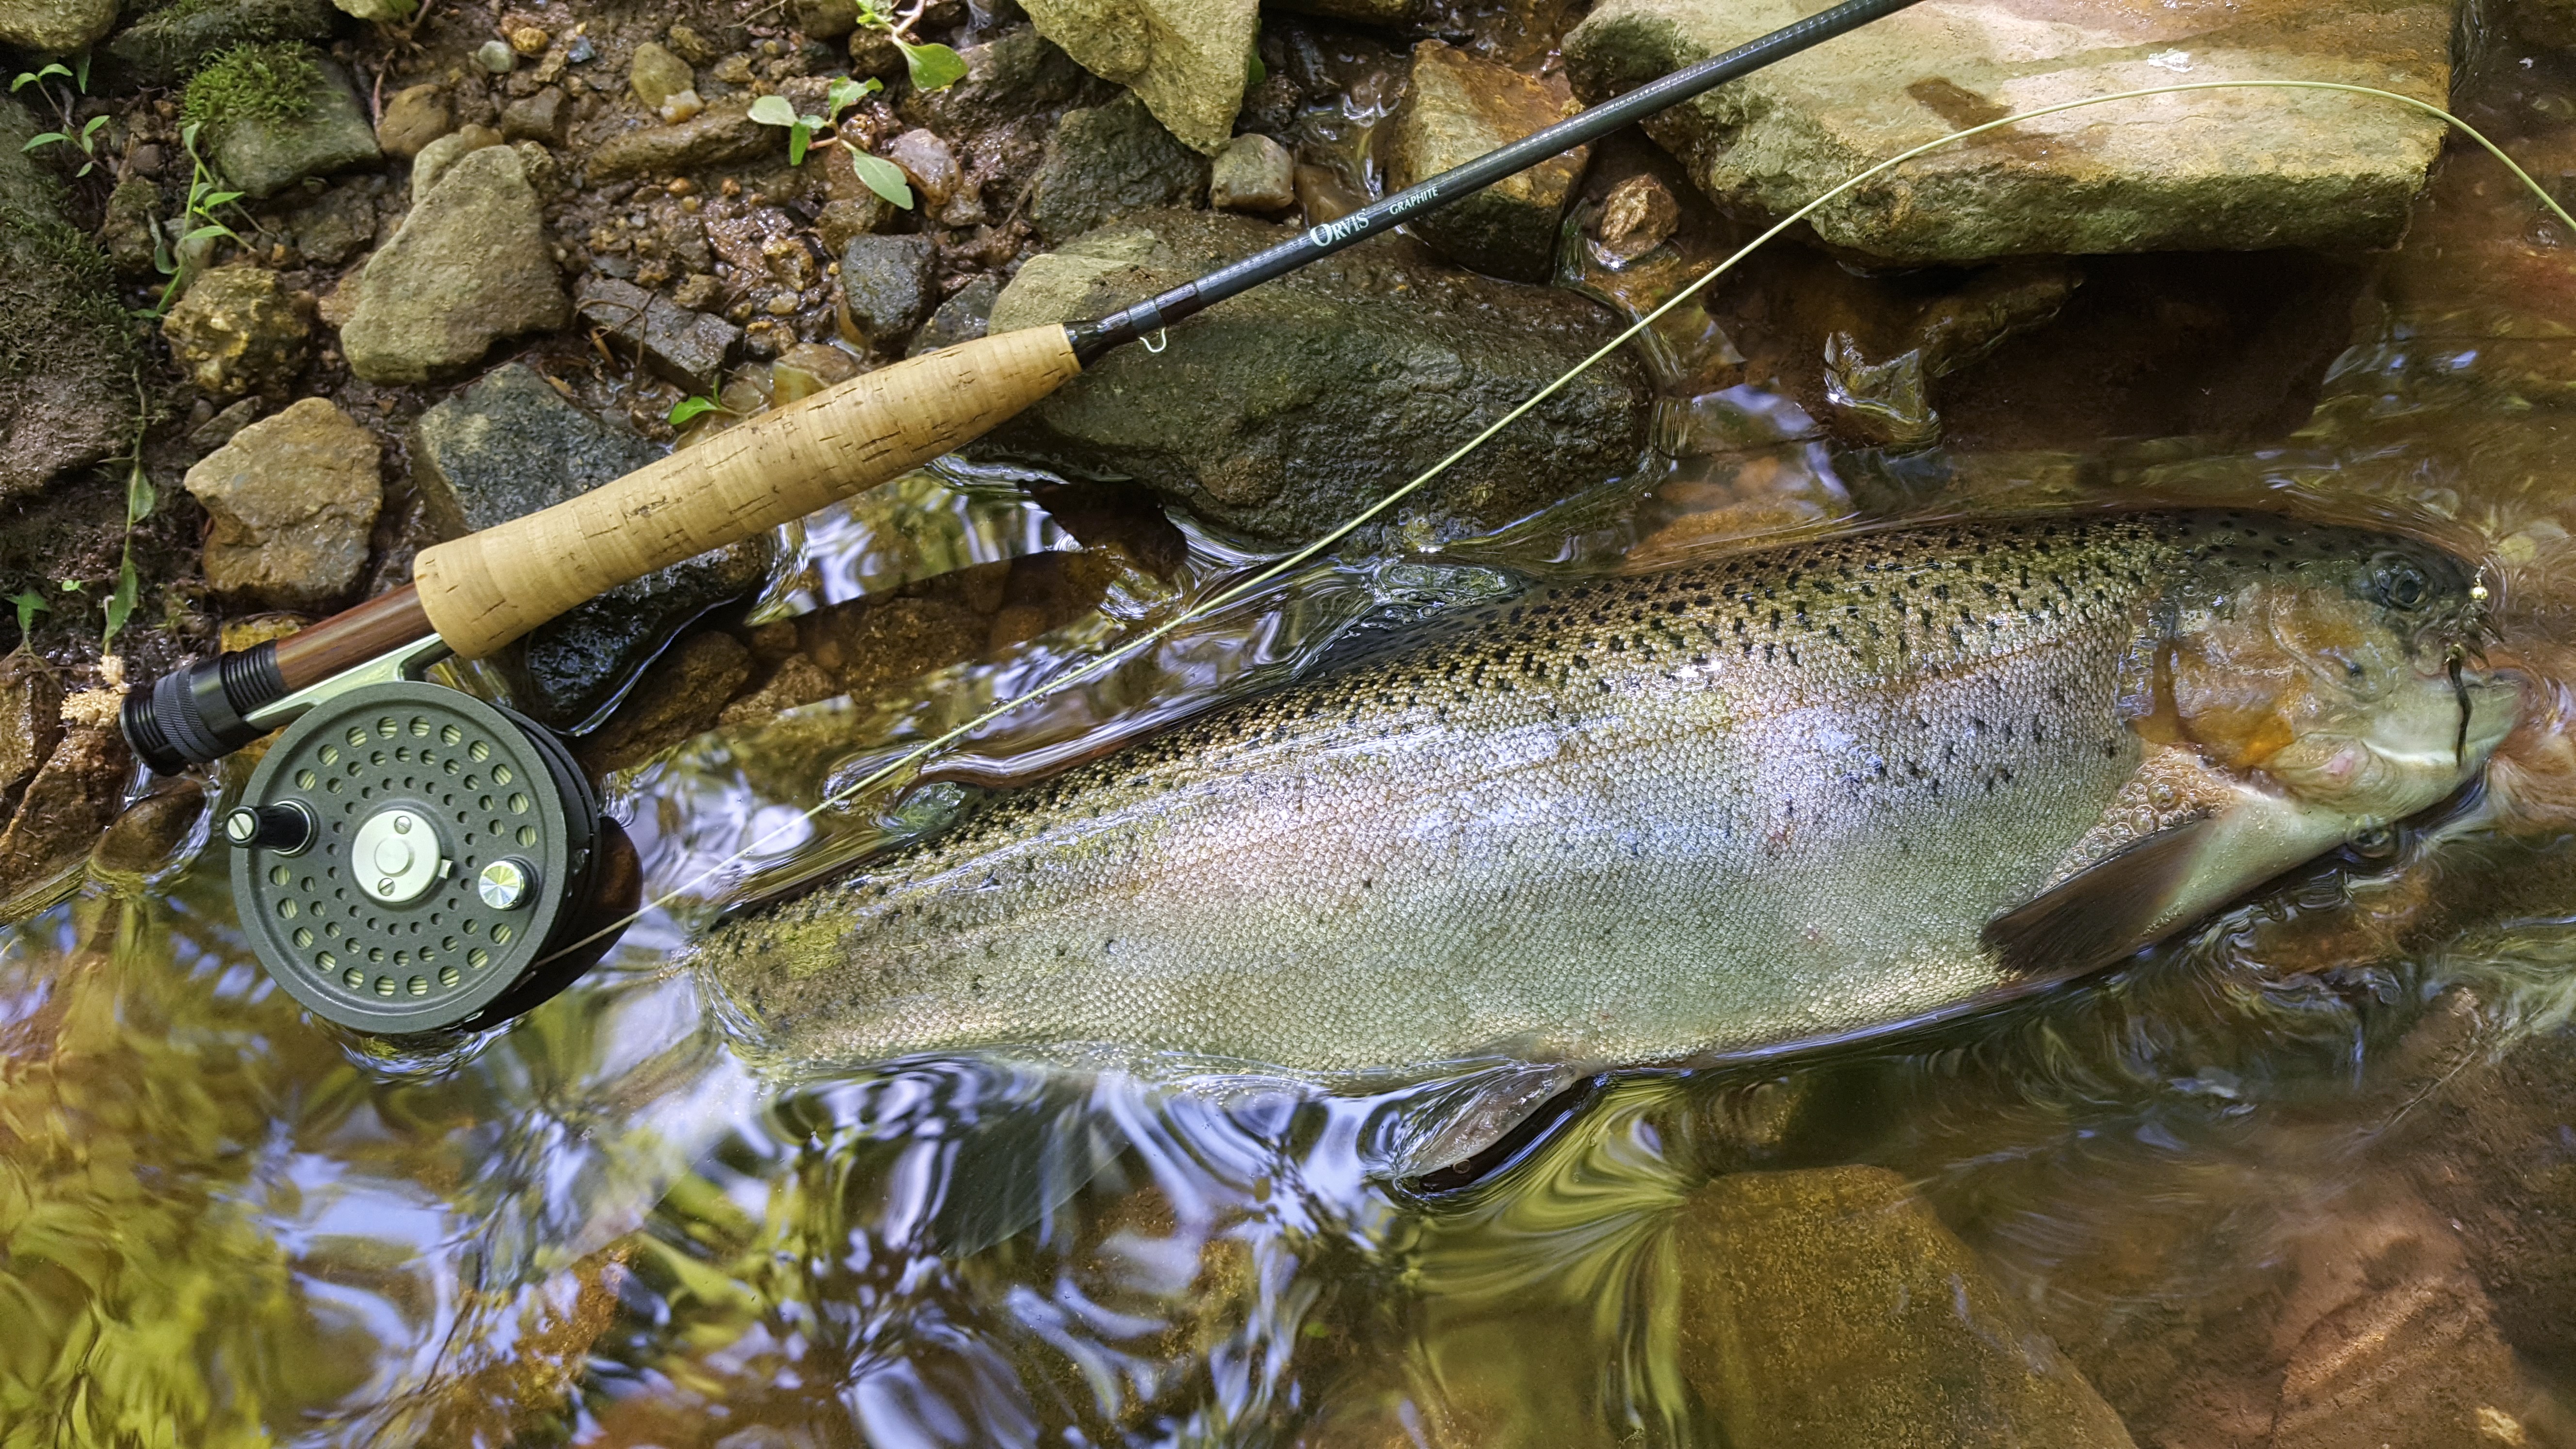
1767, 799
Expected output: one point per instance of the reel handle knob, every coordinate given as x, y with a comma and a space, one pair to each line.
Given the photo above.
285, 828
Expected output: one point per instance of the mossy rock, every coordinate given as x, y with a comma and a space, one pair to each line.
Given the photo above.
66, 353
171, 43
275, 114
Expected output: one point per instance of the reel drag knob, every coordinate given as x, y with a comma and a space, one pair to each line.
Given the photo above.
286, 829
409, 858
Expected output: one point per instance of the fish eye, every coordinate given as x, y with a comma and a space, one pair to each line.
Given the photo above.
2399, 584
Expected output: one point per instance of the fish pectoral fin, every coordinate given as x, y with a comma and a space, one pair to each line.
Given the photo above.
2105, 911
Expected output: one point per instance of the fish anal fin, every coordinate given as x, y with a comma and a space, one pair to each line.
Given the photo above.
1458, 1135
2104, 911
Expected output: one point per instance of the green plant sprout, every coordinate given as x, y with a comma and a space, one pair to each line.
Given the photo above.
689, 409
778, 111
140, 499
73, 132
30, 604
933, 67
200, 223
883, 177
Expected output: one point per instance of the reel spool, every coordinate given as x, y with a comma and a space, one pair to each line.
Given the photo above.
409, 858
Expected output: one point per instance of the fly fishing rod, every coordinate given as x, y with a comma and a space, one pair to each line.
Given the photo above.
408, 858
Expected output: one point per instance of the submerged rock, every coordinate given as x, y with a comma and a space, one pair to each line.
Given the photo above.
148, 834
31, 720
1831, 1307
510, 445
66, 357
1285, 410
263, 154
695, 679
2500, 1166
1183, 58
237, 330
1109, 162
67, 805
2226, 170
470, 266
1458, 108
293, 499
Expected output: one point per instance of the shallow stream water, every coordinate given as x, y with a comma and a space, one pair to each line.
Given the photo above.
225, 1225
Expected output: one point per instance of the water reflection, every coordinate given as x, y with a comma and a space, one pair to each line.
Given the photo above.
2214, 1178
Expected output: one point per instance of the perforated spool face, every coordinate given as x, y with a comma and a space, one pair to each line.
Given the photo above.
458, 784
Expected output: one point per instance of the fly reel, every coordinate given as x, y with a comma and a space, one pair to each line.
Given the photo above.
409, 858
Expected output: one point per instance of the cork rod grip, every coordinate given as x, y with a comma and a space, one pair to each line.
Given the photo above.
488, 588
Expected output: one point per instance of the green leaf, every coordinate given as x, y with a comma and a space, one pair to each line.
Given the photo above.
692, 407
220, 198
883, 177
773, 111
25, 78
30, 604
1254, 72
82, 79
71, 586
47, 139
140, 496
798, 137
846, 93
120, 605
934, 67
92, 128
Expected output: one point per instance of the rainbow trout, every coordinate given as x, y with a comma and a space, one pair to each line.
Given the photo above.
1765, 801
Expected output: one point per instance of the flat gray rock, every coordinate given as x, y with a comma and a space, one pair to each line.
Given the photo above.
470, 266
1183, 58
293, 499
1107, 162
264, 157
1282, 412
510, 445
2221, 170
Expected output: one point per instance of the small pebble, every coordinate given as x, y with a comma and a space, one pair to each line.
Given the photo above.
1637, 218
579, 49
496, 56
681, 106
530, 40
680, 186
1253, 173
730, 187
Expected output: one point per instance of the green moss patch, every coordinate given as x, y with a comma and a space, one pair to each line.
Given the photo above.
263, 83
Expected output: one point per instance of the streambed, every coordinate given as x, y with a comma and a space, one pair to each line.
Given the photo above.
2302, 1177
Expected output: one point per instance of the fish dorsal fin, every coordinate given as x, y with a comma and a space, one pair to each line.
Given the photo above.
2103, 912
